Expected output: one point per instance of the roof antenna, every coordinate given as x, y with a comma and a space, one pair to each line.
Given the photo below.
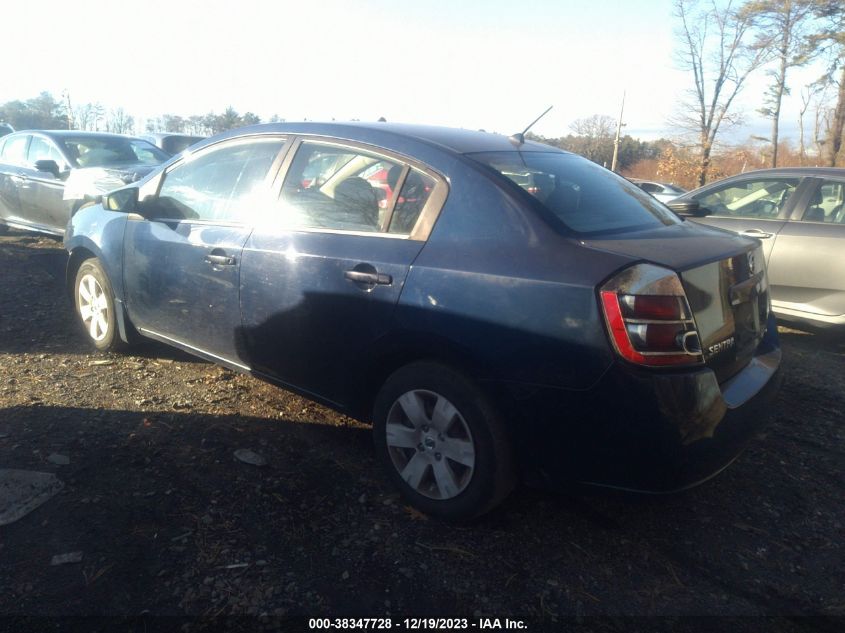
518, 139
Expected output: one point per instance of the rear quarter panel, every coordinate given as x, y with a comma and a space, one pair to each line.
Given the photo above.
500, 284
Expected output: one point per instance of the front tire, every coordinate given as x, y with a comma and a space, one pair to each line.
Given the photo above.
94, 300
442, 442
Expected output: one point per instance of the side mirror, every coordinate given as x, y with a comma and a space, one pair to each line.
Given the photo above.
123, 200
688, 208
48, 166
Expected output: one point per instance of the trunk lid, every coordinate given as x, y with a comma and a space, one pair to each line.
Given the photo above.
724, 278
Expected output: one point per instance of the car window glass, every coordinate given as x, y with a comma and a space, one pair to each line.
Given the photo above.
14, 151
579, 194
826, 205
111, 151
650, 187
338, 188
222, 185
750, 198
412, 198
41, 149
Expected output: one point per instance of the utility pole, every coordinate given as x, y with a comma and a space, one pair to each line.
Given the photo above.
66, 95
618, 132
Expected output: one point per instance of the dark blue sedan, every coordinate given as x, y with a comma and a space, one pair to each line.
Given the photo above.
497, 308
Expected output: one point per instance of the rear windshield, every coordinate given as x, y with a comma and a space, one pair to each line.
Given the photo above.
579, 194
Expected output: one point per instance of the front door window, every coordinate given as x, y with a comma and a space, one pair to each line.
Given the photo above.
759, 199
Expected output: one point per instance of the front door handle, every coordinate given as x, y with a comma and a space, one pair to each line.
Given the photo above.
220, 260
362, 277
762, 235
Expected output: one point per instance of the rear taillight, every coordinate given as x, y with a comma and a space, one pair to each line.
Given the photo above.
649, 318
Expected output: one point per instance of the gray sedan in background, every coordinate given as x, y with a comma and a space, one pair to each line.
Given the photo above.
46, 176
172, 143
660, 190
798, 215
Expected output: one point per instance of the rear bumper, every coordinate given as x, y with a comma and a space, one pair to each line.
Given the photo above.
647, 431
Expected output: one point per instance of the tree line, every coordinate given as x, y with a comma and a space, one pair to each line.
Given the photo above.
720, 42
46, 112
592, 137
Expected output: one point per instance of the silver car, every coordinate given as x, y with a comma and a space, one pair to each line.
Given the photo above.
798, 215
660, 190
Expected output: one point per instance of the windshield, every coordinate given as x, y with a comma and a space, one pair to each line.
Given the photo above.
579, 194
110, 151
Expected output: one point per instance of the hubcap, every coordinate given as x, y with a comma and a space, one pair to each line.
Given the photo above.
430, 444
93, 307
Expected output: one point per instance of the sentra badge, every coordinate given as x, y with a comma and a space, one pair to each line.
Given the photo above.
721, 346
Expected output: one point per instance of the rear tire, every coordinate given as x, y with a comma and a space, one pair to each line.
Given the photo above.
442, 442
94, 301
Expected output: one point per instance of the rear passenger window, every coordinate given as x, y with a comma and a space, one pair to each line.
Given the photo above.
826, 205
223, 185
14, 151
412, 198
338, 188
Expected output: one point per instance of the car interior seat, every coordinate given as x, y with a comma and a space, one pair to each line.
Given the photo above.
358, 200
563, 199
784, 198
815, 212
409, 206
544, 185
393, 177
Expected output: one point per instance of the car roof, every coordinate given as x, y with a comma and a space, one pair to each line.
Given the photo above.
164, 135
457, 140
58, 134
790, 171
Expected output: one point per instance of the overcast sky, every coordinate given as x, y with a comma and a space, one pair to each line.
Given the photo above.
491, 64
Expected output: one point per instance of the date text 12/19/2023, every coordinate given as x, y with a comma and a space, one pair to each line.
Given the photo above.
415, 624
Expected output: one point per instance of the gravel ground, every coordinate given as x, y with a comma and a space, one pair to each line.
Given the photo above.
170, 523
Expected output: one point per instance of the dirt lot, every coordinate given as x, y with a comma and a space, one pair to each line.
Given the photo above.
169, 523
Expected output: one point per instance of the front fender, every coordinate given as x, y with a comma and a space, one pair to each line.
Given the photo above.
95, 231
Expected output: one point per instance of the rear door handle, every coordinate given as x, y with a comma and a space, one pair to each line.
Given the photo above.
362, 277
220, 260
762, 235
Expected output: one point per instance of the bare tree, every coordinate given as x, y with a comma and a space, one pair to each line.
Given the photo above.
715, 50
594, 137
806, 99
194, 125
782, 34
88, 116
173, 123
831, 39
821, 127
120, 122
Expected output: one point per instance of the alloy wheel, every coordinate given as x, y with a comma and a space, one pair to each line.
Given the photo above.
430, 444
93, 307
